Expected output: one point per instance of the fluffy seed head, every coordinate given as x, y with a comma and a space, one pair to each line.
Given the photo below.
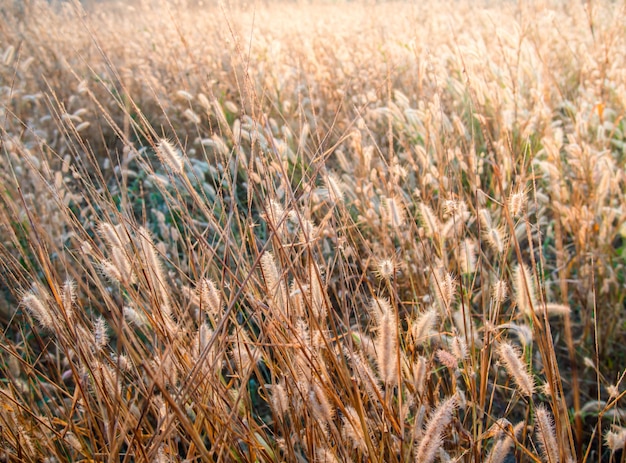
615, 439
111, 235
517, 202
191, 116
318, 301
422, 328
524, 287
467, 256
430, 222
123, 267
447, 359
100, 335
275, 285
558, 309
516, 368
335, 188
387, 344
275, 213
68, 298
154, 268
39, 310
544, 427
496, 238
458, 347
170, 156
353, 429
485, 219
380, 307
210, 298
134, 317
499, 291
324, 455
445, 289
385, 269
419, 374
278, 399
394, 212
502, 447
320, 405
433, 435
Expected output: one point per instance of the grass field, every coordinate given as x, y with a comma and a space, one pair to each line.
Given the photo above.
313, 232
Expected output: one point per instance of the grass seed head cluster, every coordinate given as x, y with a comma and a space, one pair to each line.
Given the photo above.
274, 232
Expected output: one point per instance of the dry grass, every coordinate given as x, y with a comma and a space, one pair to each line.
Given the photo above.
334, 232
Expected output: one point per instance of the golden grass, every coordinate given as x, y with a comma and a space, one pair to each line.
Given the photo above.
326, 232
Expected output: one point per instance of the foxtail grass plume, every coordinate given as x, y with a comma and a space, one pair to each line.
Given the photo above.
320, 405
275, 214
275, 285
516, 368
498, 428
523, 332
154, 269
201, 342
544, 427
170, 156
496, 238
419, 375
378, 308
394, 212
334, 188
615, 438
454, 207
499, 291
113, 235
210, 298
324, 455
134, 317
279, 399
464, 324
364, 375
494, 235
557, 309
244, 353
68, 298
467, 256
432, 439
613, 390
353, 429
191, 116
517, 202
308, 231
447, 358
387, 347
385, 269
122, 267
502, 447
430, 222
459, 349
422, 328
318, 300
39, 309
444, 285
118, 267
524, 287
100, 335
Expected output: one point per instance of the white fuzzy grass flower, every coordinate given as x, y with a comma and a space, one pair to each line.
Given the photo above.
432, 438
170, 156
516, 368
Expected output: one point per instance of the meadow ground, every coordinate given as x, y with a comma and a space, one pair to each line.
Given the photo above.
312, 232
